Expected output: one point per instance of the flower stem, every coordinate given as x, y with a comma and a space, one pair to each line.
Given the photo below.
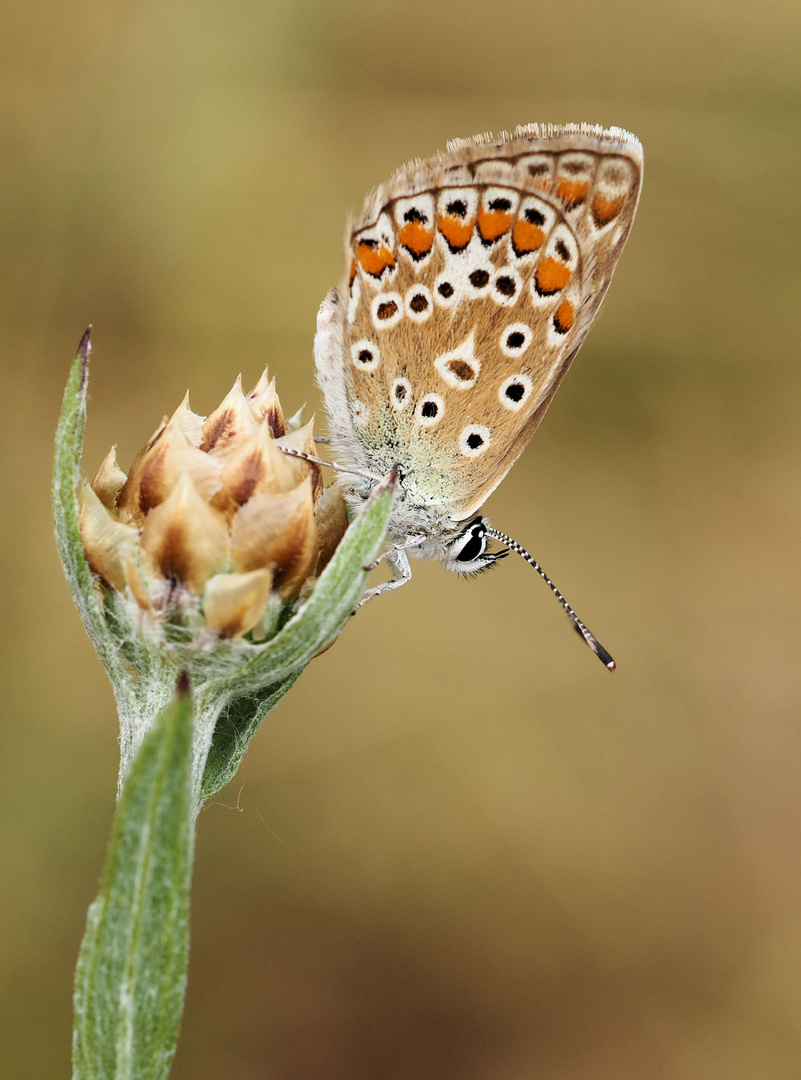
131, 974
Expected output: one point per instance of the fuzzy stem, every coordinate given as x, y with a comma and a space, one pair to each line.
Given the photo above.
131, 976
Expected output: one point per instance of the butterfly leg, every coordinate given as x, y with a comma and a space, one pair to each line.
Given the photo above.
386, 556
401, 573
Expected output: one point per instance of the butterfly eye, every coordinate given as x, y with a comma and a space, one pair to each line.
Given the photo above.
474, 544
467, 553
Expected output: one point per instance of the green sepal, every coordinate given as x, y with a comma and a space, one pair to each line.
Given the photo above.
66, 509
236, 726
131, 974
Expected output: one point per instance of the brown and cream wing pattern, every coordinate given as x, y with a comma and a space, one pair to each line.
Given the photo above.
472, 280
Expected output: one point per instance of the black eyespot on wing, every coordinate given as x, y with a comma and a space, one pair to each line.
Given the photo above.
413, 214
401, 391
445, 289
365, 356
387, 309
562, 251
474, 440
534, 217
458, 208
506, 285
429, 409
501, 204
419, 302
515, 391
515, 340
479, 278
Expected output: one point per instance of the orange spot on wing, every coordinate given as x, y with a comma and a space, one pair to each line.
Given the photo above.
605, 208
374, 259
572, 192
526, 236
456, 231
564, 317
546, 185
551, 276
493, 223
416, 237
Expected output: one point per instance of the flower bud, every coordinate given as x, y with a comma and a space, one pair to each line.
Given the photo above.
214, 524
218, 563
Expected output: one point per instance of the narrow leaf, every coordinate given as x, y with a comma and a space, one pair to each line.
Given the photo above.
66, 511
236, 726
131, 975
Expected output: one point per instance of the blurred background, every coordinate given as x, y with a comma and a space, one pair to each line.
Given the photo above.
459, 850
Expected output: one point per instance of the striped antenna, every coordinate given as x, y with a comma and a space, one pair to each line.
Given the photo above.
578, 625
328, 464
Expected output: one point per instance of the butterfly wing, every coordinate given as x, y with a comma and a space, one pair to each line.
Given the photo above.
473, 279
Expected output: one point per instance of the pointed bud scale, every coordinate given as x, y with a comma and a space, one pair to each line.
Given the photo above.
263, 400
106, 541
158, 468
302, 439
265, 384
185, 537
277, 530
234, 603
164, 421
231, 421
254, 465
109, 480
189, 422
296, 420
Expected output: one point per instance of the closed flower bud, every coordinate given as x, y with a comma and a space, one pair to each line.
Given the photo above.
214, 524
218, 565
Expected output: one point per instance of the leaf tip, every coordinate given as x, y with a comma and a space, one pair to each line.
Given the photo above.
84, 349
85, 345
387, 483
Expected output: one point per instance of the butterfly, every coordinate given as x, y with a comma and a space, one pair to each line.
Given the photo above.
472, 280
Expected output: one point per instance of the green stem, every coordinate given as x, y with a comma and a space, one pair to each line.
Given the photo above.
131, 975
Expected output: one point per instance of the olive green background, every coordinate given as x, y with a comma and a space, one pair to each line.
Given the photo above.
459, 850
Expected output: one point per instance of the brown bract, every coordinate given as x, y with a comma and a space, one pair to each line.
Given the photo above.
214, 512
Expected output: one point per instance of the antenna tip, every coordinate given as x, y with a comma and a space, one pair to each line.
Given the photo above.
603, 656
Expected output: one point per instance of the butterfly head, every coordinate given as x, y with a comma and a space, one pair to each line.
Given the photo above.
466, 551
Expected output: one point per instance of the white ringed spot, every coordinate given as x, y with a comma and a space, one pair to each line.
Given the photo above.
507, 286
515, 339
419, 303
514, 392
400, 394
477, 278
446, 289
386, 310
460, 367
474, 440
365, 355
430, 410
